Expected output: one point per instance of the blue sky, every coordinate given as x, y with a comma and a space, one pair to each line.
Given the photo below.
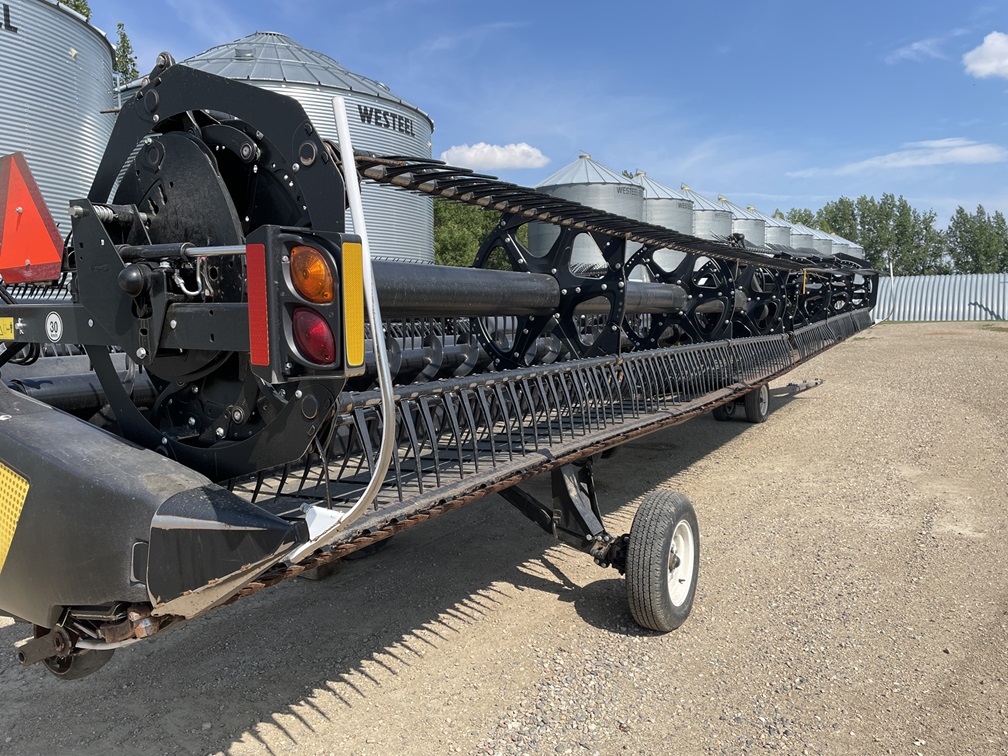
777, 103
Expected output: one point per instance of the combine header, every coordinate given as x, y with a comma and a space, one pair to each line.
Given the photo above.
195, 405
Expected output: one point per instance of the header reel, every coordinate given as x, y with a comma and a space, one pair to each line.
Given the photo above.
191, 241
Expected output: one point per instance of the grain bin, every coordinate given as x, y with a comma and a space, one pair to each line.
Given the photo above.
591, 184
664, 206
801, 237
400, 226
56, 80
840, 245
820, 242
710, 220
778, 230
745, 222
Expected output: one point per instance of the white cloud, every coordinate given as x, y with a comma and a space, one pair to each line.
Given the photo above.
495, 156
956, 150
918, 51
924, 49
990, 58
952, 151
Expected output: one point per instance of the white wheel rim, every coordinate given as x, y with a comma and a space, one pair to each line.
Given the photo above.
764, 399
682, 556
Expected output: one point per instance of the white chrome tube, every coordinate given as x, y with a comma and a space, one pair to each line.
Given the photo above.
324, 524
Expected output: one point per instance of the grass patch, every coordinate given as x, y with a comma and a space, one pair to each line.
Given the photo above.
992, 327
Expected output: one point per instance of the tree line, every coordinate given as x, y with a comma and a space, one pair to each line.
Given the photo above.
891, 231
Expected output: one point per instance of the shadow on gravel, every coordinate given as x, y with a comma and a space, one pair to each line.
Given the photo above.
297, 653
603, 605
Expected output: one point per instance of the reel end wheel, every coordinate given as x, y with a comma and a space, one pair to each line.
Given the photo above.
724, 412
663, 561
757, 404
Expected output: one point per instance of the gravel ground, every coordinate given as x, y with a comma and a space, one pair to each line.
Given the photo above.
853, 599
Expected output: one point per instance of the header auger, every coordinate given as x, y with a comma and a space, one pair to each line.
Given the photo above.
197, 407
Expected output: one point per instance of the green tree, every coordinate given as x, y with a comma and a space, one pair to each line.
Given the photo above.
81, 6
874, 228
124, 60
978, 243
839, 217
919, 248
801, 215
459, 230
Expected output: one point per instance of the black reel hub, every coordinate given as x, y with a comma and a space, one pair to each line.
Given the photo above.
710, 303
762, 311
519, 341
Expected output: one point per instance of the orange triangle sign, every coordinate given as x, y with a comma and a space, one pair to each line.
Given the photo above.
31, 248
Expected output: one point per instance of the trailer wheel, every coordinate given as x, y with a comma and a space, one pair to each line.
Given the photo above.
79, 664
757, 404
724, 412
663, 560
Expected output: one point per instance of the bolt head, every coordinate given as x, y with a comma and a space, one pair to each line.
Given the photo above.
219, 432
141, 353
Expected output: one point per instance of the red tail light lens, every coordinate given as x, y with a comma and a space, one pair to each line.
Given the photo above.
313, 337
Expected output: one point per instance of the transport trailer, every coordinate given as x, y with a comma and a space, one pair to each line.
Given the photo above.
195, 405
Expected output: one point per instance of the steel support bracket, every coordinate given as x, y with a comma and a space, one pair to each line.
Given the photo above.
574, 517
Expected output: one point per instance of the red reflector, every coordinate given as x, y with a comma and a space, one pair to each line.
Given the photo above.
255, 277
313, 337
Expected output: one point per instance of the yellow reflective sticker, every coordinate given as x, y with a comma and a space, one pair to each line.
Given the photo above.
353, 302
13, 491
6, 329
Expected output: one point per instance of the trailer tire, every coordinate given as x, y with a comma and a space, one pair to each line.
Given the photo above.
79, 664
757, 404
663, 561
724, 412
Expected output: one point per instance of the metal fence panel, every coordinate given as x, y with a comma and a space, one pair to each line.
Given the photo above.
954, 297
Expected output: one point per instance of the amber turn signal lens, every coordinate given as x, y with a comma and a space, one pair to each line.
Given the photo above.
311, 275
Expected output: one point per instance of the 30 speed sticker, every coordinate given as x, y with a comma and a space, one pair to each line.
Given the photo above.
54, 326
